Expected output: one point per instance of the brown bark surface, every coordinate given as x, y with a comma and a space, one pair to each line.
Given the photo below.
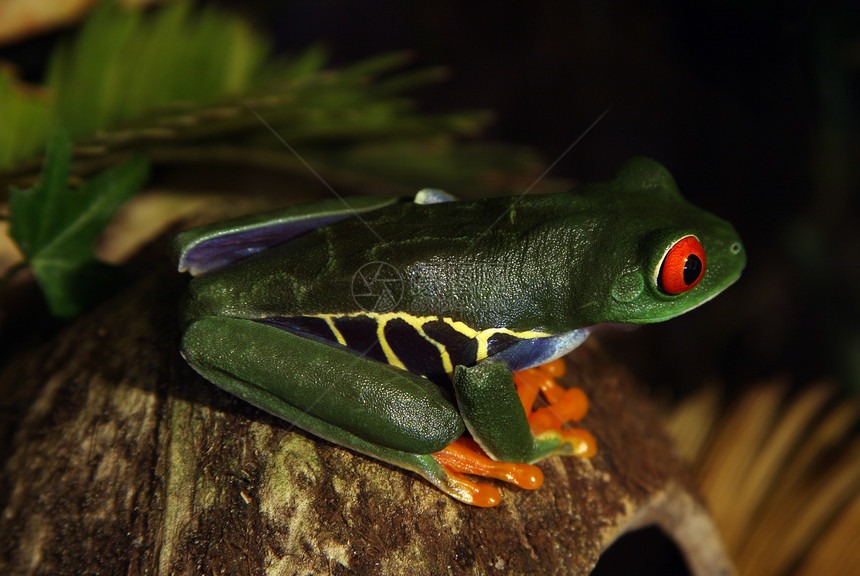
119, 459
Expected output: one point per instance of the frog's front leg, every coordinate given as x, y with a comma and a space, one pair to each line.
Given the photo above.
336, 394
499, 416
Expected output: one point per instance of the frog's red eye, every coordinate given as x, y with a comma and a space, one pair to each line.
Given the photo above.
683, 266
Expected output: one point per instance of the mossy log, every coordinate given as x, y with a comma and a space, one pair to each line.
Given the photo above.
119, 459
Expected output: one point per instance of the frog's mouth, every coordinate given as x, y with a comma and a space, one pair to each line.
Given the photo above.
656, 319
716, 292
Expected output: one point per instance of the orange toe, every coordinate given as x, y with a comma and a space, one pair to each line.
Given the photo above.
462, 457
527, 389
583, 442
556, 368
572, 406
474, 493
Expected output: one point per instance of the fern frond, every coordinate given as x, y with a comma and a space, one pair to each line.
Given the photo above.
123, 63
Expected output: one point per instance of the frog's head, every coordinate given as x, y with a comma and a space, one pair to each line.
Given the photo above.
668, 255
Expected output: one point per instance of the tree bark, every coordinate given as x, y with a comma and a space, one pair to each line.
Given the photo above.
119, 459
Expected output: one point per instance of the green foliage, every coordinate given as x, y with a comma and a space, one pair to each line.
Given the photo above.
192, 85
55, 227
26, 118
153, 74
123, 63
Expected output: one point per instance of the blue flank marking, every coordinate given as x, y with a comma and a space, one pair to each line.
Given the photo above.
226, 248
537, 351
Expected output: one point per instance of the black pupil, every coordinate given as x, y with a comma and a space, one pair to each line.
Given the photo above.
692, 269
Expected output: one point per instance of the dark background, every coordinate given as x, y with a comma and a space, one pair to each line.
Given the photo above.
752, 106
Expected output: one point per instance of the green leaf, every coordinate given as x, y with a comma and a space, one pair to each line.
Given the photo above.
56, 227
123, 63
27, 113
190, 85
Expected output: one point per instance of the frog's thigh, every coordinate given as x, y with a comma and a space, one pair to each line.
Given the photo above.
324, 389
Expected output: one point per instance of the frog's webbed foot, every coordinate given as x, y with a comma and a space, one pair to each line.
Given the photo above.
564, 405
465, 456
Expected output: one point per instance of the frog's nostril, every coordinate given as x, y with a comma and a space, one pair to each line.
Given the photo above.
736, 248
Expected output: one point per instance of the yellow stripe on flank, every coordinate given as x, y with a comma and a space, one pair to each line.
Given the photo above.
484, 336
443, 352
417, 322
386, 347
461, 327
329, 320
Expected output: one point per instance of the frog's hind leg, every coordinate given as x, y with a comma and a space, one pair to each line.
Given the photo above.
370, 407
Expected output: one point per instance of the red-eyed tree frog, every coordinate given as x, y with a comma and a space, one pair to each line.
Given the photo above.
418, 331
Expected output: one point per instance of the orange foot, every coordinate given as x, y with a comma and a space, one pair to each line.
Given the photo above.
464, 456
565, 405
